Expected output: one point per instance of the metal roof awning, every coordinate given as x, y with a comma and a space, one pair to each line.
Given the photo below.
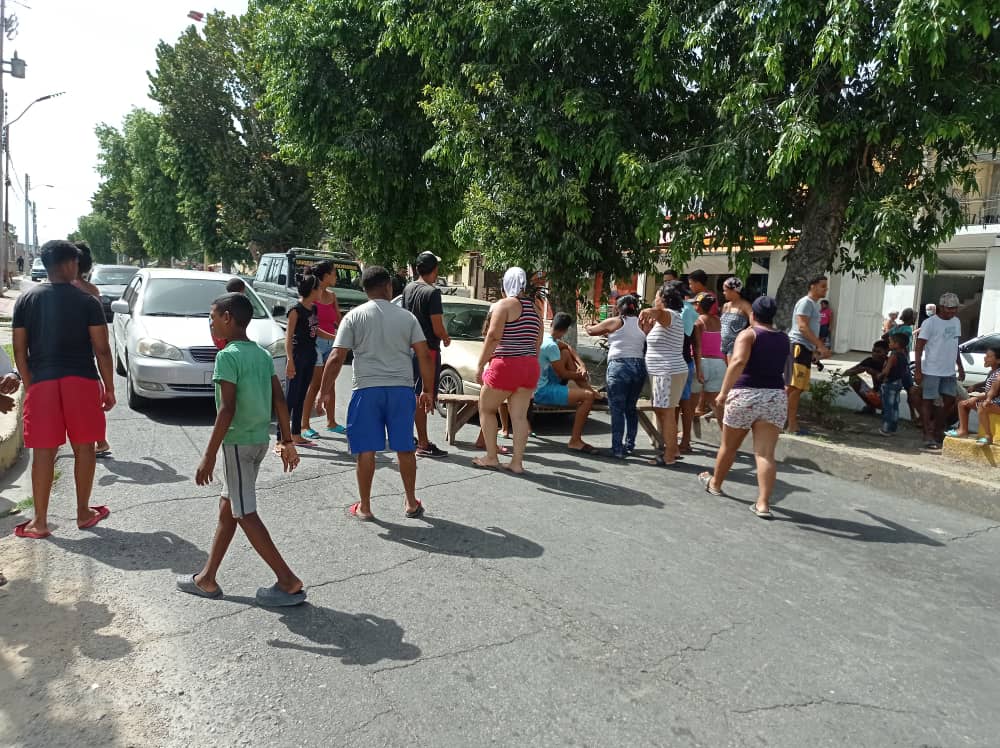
714, 264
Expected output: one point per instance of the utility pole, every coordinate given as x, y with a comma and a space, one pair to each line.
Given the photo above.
27, 209
34, 226
4, 252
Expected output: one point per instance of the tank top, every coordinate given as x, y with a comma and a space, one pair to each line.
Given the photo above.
520, 337
628, 341
328, 317
304, 335
766, 368
900, 367
733, 323
711, 344
665, 347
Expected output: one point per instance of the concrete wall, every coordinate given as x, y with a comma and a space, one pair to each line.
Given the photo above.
989, 313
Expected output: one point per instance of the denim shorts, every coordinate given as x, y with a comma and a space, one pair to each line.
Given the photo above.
324, 348
552, 394
934, 387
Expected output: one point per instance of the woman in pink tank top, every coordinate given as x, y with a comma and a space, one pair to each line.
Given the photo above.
328, 317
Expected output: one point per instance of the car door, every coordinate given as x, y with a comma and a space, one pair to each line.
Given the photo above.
122, 322
261, 283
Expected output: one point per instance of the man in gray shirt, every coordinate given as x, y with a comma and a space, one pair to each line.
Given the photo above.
384, 338
805, 345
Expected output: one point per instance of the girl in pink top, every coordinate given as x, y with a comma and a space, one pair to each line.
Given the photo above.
328, 318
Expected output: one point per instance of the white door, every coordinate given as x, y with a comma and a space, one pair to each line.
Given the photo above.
866, 317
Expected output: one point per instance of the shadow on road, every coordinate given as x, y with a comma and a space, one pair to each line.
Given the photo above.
125, 471
453, 539
886, 531
136, 551
355, 638
587, 489
190, 411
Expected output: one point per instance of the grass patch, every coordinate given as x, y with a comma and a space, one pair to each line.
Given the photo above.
9, 347
19, 507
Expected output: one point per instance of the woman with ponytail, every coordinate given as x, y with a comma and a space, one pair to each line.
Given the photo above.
300, 347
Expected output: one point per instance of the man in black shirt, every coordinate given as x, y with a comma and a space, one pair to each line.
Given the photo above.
872, 366
58, 330
422, 298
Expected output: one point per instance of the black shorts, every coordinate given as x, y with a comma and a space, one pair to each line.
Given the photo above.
418, 380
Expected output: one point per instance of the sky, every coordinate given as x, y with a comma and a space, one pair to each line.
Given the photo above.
98, 52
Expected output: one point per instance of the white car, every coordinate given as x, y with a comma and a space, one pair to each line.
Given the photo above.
973, 353
161, 337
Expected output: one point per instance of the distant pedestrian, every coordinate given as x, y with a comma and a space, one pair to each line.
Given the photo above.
20, 264
668, 371
58, 332
894, 373
422, 298
300, 348
735, 314
626, 373
984, 394
713, 362
753, 398
384, 338
890, 322
826, 323
511, 351
327, 321
806, 346
936, 360
246, 391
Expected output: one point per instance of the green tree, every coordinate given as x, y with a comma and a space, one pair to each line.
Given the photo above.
347, 109
113, 198
234, 191
846, 125
96, 230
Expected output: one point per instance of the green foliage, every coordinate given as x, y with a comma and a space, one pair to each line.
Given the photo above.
96, 230
113, 199
821, 403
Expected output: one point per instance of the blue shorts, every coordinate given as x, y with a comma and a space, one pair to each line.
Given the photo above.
552, 394
324, 348
934, 387
686, 393
376, 411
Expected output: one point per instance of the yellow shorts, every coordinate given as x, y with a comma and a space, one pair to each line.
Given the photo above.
798, 369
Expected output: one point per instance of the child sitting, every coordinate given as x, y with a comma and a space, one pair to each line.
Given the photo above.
986, 401
893, 375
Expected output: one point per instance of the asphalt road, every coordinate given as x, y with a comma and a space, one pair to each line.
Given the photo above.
591, 603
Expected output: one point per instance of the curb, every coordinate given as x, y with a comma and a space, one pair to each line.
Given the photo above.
11, 433
922, 477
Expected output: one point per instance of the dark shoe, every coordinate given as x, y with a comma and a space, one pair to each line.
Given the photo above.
431, 450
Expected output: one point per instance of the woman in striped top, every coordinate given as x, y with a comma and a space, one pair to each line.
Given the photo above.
511, 350
668, 371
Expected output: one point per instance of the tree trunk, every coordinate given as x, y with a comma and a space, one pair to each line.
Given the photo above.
813, 255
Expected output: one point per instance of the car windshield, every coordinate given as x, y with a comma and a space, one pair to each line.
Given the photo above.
112, 276
465, 321
346, 275
38, 263
189, 297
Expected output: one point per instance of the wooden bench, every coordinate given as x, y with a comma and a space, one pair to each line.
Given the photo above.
459, 410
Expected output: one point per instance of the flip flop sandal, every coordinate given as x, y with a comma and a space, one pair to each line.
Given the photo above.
102, 514
658, 461
338, 429
306, 444
104, 453
587, 449
983, 442
310, 433
353, 512
275, 597
186, 583
706, 481
416, 513
953, 433
478, 466
762, 515
20, 532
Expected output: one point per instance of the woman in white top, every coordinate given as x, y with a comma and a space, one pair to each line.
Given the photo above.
626, 372
668, 371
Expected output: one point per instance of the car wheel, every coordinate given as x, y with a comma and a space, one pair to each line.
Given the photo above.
135, 401
449, 384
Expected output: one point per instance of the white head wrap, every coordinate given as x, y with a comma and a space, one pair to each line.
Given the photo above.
514, 281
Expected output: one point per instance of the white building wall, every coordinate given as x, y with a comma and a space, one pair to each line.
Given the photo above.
775, 272
903, 293
989, 313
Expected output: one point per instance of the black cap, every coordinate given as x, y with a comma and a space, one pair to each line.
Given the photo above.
764, 309
426, 262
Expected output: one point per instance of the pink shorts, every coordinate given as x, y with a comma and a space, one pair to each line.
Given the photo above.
513, 373
57, 407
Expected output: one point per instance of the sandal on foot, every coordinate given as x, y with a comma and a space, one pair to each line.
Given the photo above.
338, 429
103, 454
706, 481
984, 441
481, 466
275, 597
658, 461
21, 532
759, 513
953, 433
354, 511
310, 433
416, 513
586, 449
186, 583
102, 514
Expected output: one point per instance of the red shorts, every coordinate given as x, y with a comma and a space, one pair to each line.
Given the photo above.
57, 407
513, 373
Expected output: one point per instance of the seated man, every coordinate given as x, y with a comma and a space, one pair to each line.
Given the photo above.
872, 366
560, 365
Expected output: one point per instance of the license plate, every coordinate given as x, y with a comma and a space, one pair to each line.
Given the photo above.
208, 377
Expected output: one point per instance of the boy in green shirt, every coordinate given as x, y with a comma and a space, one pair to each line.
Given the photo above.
246, 389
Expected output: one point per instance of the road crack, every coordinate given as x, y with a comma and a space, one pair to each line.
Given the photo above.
820, 702
368, 573
458, 652
679, 654
981, 531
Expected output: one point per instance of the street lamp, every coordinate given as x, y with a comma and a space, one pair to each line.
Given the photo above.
17, 66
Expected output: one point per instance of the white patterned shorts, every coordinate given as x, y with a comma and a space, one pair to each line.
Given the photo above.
746, 407
667, 389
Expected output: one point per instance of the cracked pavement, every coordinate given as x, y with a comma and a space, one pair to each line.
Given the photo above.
589, 603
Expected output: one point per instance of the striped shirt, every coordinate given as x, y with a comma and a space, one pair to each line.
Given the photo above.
989, 383
665, 347
520, 337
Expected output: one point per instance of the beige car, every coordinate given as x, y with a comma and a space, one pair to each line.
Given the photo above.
464, 320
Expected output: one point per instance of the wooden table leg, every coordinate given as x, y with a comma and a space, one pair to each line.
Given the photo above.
648, 426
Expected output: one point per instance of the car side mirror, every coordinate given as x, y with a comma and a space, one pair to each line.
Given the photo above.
120, 307
278, 311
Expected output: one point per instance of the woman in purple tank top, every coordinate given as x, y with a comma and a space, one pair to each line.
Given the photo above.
753, 395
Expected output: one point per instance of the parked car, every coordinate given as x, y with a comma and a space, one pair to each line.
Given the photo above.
111, 281
973, 353
38, 272
278, 276
162, 343
464, 319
